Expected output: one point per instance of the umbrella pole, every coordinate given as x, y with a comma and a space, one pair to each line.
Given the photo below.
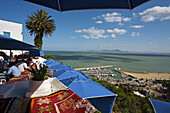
10, 55
22, 55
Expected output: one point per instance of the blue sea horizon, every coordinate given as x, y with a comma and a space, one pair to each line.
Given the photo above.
136, 62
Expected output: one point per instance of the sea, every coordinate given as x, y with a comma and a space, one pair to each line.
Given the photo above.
135, 62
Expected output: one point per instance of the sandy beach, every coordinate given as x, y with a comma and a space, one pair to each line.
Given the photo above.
159, 76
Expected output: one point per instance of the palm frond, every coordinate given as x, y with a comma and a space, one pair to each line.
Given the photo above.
40, 23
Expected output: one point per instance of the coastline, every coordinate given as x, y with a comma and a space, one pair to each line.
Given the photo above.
145, 75
138, 75
94, 67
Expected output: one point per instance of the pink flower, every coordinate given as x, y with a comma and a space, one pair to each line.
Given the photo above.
42, 111
46, 108
42, 108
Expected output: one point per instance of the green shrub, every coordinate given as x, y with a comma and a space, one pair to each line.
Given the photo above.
49, 57
39, 74
126, 101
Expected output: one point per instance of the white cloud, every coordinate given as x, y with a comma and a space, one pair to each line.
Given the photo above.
93, 32
78, 31
94, 18
111, 14
110, 31
168, 38
126, 19
99, 22
117, 30
157, 12
137, 26
113, 35
113, 17
135, 34
150, 43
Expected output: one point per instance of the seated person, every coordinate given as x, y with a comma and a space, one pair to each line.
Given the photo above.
29, 61
22, 66
13, 71
1, 58
5, 66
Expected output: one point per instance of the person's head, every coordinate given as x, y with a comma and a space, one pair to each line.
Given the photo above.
29, 59
11, 64
1, 58
16, 61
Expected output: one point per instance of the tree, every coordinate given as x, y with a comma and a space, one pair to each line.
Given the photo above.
39, 23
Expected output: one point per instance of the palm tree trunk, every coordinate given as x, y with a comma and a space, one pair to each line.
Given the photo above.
38, 41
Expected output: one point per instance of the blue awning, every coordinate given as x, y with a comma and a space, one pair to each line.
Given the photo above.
100, 97
87, 88
69, 73
41, 53
58, 67
160, 106
82, 85
8, 43
49, 60
12, 44
52, 63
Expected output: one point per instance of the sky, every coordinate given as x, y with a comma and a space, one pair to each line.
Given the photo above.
144, 29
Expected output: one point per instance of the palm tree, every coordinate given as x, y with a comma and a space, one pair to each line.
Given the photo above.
39, 23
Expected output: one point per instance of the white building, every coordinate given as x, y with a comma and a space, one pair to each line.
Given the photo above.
12, 30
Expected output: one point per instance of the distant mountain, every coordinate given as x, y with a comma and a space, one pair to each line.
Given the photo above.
115, 50
110, 51
105, 50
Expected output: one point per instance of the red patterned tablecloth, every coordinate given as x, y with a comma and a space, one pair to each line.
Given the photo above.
23, 77
62, 102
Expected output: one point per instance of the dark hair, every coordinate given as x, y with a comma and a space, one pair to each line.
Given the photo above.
11, 64
29, 59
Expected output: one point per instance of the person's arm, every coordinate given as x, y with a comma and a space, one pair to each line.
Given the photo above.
25, 66
9, 71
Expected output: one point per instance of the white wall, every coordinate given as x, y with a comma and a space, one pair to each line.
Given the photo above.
15, 29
